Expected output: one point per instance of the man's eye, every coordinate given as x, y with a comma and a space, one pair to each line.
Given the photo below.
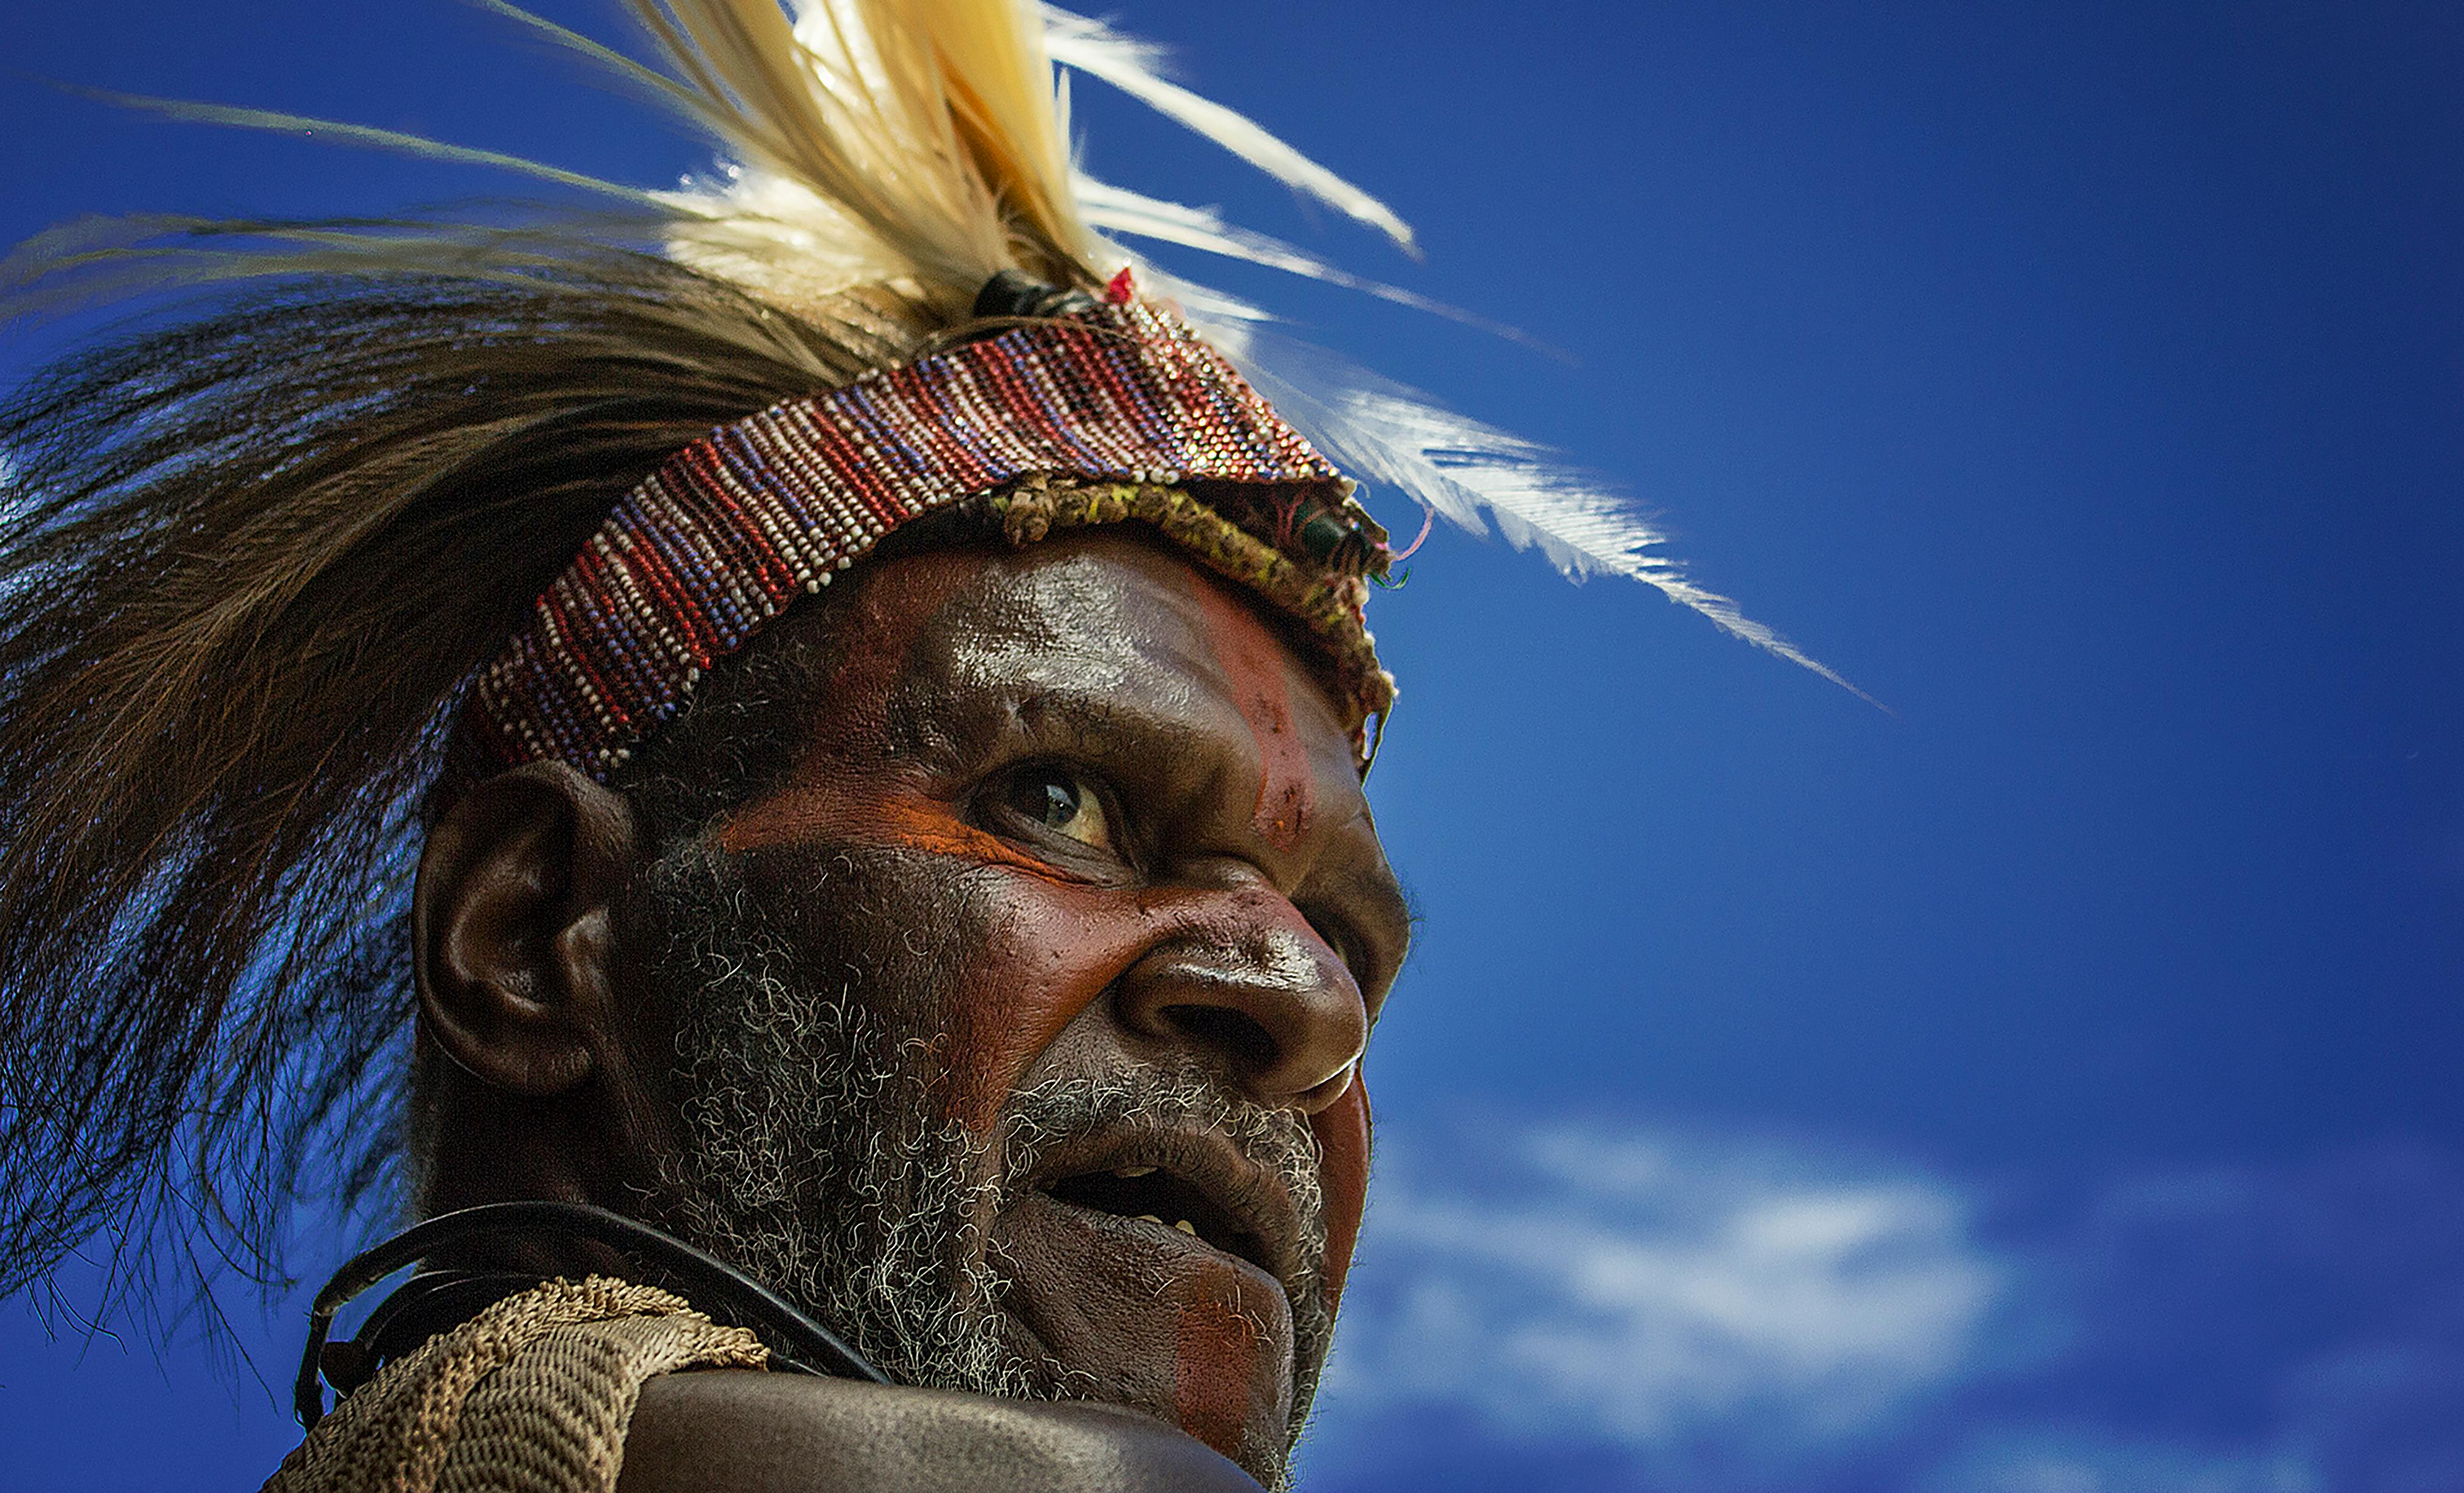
1061, 801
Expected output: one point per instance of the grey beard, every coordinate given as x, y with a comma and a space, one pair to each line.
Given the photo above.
807, 1157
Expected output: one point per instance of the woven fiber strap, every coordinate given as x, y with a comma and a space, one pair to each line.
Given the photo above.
531, 1395
695, 560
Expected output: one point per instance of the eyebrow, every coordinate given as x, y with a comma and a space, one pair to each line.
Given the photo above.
1109, 727
1099, 719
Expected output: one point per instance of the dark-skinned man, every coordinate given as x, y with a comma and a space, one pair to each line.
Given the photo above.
1021, 839
778, 764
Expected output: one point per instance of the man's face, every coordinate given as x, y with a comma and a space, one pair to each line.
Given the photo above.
1019, 1029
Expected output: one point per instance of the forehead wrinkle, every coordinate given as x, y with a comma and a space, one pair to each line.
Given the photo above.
964, 684
1065, 636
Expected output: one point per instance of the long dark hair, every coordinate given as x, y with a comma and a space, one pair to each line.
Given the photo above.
248, 559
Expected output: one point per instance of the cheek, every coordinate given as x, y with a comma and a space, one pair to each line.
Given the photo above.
971, 967
1047, 952
1342, 1130
985, 952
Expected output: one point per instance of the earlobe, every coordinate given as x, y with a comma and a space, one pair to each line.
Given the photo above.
513, 928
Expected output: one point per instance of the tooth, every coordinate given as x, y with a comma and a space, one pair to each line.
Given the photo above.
1186, 1227
1149, 1218
1132, 1170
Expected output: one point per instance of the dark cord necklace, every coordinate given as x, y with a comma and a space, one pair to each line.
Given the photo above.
434, 1301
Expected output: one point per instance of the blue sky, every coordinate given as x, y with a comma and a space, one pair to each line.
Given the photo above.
2041, 1086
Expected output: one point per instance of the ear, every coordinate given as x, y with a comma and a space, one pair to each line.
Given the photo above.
512, 927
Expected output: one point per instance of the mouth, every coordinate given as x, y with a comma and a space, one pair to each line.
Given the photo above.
1185, 1189
1161, 1269
1151, 1196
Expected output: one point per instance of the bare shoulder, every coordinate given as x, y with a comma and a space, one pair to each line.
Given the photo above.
731, 1432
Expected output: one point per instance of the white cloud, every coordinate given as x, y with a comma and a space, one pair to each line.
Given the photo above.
2091, 1463
1636, 1307
1662, 1292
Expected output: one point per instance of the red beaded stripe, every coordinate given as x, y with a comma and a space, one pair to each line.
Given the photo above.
694, 561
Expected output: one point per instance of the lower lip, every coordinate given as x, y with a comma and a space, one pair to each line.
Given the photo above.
1161, 1320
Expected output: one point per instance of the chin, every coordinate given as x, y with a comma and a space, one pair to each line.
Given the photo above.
1133, 1310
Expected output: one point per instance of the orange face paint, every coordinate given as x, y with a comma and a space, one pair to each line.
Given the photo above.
1253, 664
807, 813
1049, 959
1019, 992
1214, 1372
1342, 1130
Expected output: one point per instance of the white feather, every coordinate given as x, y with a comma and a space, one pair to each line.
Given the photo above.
1472, 472
922, 146
1117, 210
1136, 69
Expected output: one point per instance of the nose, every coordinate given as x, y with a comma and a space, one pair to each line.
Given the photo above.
1256, 992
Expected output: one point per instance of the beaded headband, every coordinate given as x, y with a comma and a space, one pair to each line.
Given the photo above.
1114, 412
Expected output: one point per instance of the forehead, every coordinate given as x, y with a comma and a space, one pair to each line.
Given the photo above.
1099, 625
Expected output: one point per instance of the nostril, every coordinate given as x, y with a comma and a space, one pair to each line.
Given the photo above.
1235, 1033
